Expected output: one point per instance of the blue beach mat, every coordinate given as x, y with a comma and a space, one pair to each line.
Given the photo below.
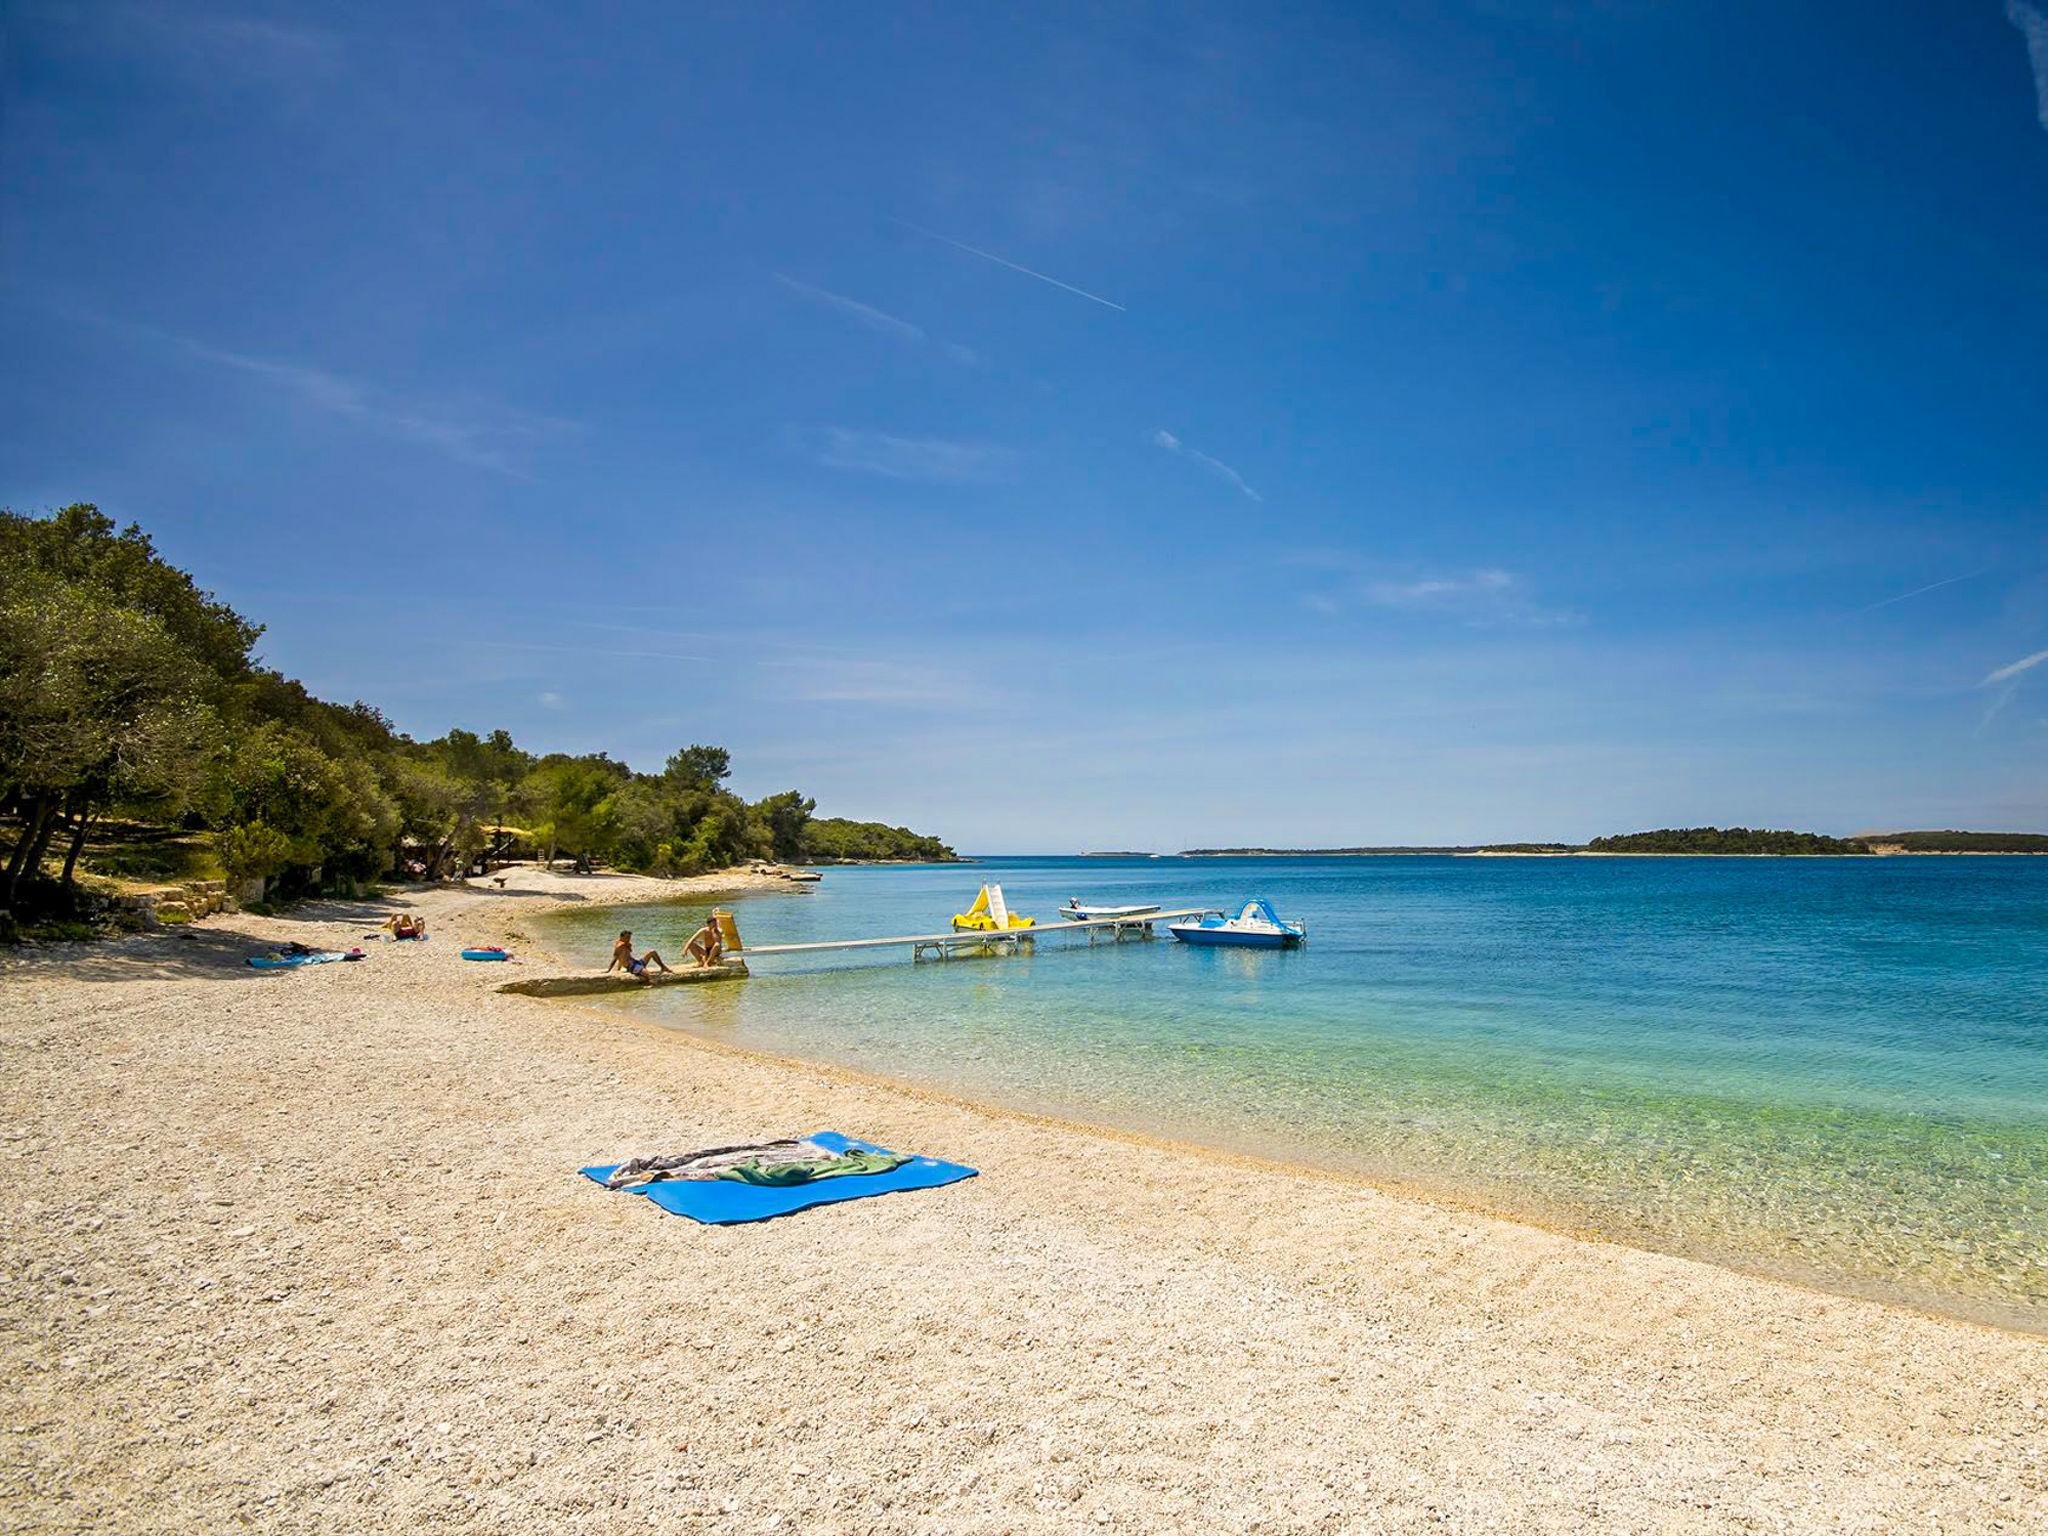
288, 962
725, 1202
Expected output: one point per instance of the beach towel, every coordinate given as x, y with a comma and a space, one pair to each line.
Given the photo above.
723, 1202
285, 959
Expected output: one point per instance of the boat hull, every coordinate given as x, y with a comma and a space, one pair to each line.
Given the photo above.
1238, 937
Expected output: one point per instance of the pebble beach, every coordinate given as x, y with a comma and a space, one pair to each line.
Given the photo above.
308, 1251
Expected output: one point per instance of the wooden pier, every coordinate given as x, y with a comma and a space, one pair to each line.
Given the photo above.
970, 940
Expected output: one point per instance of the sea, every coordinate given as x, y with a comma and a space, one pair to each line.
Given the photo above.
1827, 1070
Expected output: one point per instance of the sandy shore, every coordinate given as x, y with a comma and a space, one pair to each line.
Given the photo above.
306, 1251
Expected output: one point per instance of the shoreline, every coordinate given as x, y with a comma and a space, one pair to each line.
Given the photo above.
1417, 1190
1971, 1312
362, 1287
1975, 1311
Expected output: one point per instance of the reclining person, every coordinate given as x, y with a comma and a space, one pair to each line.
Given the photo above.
623, 959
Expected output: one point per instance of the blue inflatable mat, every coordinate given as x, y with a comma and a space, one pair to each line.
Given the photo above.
724, 1202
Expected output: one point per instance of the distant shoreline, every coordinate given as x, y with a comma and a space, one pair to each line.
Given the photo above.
1586, 853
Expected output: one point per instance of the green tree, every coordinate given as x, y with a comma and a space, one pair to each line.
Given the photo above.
99, 706
698, 767
787, 815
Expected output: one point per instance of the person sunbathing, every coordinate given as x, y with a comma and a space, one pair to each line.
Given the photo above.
406, 926
706, 948
623, 958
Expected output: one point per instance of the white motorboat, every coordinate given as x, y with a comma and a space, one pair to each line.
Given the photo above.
1079, 911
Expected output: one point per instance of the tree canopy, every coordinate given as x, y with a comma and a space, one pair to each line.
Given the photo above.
1724, 840
126, 690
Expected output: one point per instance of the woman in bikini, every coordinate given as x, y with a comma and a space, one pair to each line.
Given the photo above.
706, 948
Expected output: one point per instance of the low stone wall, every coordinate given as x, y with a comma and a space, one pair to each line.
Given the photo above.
178, 903
594, 986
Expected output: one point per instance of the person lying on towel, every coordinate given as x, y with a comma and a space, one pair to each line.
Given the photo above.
623, 958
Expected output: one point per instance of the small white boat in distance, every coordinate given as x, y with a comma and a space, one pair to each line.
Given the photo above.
1079, 911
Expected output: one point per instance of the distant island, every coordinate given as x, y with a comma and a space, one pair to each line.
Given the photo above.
1737, 840
1695, 841
1955, 842
1356, 853
1119, 853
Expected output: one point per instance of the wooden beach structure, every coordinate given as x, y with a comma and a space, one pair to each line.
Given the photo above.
944, 946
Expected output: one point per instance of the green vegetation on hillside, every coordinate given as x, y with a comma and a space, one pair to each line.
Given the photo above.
1961, 842
1724, 840
127, 692
831, 837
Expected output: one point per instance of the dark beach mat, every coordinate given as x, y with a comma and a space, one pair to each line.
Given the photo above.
726, 1202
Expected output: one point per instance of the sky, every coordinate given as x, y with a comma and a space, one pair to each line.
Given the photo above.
1068, 427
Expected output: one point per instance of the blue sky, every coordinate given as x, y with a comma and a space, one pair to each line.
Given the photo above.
1096, 426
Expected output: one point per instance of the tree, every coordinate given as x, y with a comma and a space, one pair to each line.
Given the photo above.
252, 851
698, 767
328, 811
787, 815
575, 800
99, 706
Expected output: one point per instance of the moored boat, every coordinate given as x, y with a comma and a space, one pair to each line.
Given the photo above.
1256, 926
1079, 911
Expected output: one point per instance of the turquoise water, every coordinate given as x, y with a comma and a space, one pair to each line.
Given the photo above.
1833, 1070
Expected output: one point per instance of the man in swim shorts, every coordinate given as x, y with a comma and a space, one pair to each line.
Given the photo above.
623, 959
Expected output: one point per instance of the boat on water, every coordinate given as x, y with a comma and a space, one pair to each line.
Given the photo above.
1256, 926
1079, 911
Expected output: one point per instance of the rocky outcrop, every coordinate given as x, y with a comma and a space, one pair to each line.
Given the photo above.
596, 986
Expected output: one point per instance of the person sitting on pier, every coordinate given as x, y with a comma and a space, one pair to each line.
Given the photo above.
706, 948
623, 958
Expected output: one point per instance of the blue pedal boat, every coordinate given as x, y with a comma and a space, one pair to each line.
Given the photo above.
1258, 926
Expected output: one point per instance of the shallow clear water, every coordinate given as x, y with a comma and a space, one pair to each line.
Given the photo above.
1830, 1069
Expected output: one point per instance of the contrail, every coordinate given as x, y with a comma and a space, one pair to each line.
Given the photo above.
1931, 586
974, 250
2014, 669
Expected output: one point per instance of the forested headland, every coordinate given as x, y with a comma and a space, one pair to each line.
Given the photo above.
131, 697
1726, 840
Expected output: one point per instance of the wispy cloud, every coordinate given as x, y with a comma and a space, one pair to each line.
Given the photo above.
1165, 439
206, 45
866, 680
1932, 586
878, 320
2033, 27
1004, 261
913, 458
492, 437
1486, 597
584, 650
2013, 669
